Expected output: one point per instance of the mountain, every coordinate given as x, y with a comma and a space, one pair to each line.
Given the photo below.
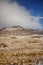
18, 31
17, 43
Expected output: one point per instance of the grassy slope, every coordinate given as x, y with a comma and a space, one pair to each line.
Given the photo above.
15, 49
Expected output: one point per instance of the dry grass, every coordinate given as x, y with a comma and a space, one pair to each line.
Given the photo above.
20, 49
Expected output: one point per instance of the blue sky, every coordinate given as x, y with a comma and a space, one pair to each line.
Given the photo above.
35, 6
26, 13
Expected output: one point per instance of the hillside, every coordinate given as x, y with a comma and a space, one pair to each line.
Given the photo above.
18, 31
19, 46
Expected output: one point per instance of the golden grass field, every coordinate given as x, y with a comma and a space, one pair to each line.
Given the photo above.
21, 50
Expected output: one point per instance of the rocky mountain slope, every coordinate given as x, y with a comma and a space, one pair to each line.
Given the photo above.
18, 31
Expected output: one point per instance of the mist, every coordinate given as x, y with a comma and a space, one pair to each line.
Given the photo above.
13, 14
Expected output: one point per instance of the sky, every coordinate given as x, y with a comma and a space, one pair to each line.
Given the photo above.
26, 13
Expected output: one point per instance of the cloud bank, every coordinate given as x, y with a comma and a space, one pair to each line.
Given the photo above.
14, 14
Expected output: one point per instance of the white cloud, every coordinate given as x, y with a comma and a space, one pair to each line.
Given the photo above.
14, 14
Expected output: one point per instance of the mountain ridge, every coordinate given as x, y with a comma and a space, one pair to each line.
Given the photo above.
18, 30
